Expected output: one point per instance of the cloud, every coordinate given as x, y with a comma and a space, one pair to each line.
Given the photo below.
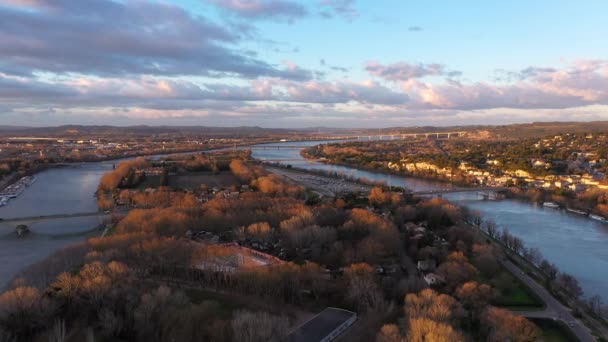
108, 38
341, 8
262, 9
403, 71
584, 83
414, 28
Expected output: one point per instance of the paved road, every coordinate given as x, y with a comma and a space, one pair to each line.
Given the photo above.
554, 309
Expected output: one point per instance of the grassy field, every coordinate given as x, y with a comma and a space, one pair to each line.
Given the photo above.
193, 180
554, 331
515, 295
225, 304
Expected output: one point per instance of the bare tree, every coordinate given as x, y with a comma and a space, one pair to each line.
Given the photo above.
491, 228
503, 325
58, 333
259, 327
570, 283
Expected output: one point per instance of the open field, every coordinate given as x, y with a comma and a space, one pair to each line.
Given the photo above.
554, 331
515, 295
193, 180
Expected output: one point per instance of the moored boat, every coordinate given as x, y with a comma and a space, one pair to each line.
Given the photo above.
551, 205
576, 211
598, 218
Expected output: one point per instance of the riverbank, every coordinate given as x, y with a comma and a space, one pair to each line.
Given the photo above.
386, 171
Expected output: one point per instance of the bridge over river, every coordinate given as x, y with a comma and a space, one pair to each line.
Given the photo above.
52, 217
455, 190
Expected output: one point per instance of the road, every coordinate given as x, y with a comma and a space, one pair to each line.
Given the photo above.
554, 309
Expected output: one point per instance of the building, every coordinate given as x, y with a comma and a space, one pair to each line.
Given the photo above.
433, 279
326, 326
426, 265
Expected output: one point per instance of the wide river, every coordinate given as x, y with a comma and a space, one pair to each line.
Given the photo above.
576, 245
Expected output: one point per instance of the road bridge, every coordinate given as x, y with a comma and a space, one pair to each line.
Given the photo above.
51, 217
276, 147
455, 190
436, 135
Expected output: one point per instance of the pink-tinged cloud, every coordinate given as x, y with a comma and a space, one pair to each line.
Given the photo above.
262, 8
403, 71
582, 84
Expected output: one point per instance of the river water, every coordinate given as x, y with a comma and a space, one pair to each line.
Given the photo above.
575, 244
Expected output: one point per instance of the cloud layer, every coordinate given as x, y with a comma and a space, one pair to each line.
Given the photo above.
141, 59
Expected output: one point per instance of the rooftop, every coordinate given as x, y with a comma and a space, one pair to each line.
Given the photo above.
320, 327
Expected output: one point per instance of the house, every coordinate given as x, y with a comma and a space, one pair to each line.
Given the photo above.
521, 173
433, 279
427, 265
577, 187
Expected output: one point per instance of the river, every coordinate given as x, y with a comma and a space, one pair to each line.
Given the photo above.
575, 244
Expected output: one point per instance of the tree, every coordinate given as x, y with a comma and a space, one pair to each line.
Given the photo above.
475, 297
153, 315
595, 304
389, 333
533, 255
378, 198
569, 282
250, 326
549, 269
502, 325
491, 228
425, 330
23, 311
432, 305
486, 259
456, 270
362, 289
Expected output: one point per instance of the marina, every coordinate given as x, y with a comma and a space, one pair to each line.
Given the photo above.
15, 189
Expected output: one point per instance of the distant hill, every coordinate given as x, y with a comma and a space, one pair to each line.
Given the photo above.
513, 131
101, 131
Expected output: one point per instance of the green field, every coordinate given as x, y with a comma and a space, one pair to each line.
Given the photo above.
554, 331
515, 295
225, 304
193, 180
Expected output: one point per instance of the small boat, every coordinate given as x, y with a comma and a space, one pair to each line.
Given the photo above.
551, 205
598, 218
31, 181
576, 211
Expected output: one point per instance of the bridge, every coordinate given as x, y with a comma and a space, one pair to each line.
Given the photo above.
436, 135
51, 217
456, 190
276, 147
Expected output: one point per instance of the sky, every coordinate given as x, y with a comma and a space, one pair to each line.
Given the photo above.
290, 63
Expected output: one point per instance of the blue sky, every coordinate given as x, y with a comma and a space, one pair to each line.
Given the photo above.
289, 63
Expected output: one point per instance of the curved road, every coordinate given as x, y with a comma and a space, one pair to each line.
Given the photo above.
554, 309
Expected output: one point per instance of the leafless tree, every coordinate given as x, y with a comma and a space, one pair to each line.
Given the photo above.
259, 327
